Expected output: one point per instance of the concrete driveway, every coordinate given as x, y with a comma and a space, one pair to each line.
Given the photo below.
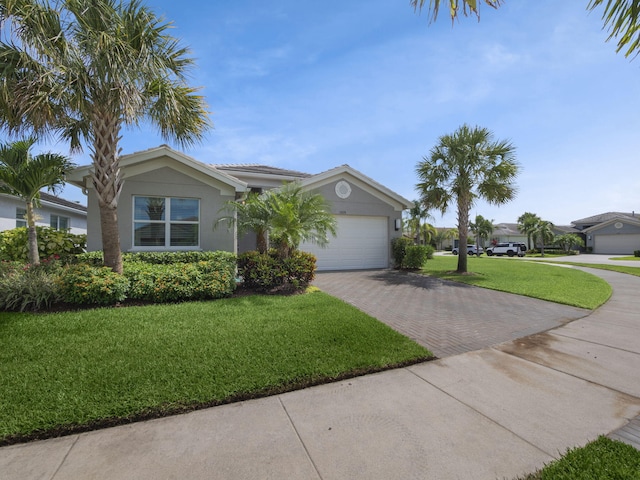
446, 317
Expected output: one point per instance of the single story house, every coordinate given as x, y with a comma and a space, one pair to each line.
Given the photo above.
610, 233
171, 201
53, 212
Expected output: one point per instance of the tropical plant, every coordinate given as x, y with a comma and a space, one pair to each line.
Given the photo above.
482, 229
621, 17
297, 215
24, 175
249, 214
568, 241
527, 224
417, 213
83, 69
543, 234
427, 233
463, 167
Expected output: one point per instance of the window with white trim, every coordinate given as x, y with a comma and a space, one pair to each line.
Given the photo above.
21, 217
58, 222
166, 222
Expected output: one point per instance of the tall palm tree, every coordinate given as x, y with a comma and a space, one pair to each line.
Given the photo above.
543, 233
482, 228
468, 6
23, 176
417, 213
298, 215
463, 167
83, 69
427, 233
527, 224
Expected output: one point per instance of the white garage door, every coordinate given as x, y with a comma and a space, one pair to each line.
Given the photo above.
362, 242
620, 244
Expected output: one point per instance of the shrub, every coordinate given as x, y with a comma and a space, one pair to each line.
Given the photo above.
266, 272
430, 251
89, 285
399, 250
157, 282
415, 257
14, 243
636, 253
28, 287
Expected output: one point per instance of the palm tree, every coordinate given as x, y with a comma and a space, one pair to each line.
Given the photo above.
23, 176
463, 167
83, 69
454, 6
417, 213
297, 216
427, 233
482, 228
527, 224
249, 214
543, 233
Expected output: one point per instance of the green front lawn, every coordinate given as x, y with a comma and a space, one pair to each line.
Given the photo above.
604, 266
632, 258
602, 459
533, 279
64, 372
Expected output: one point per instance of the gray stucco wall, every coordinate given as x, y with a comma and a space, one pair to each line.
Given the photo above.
165, 182
8, 205
361, 202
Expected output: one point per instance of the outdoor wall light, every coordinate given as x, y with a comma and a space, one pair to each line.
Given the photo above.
398, 224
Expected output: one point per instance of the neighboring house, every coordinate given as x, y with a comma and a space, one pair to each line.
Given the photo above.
54, 212
171, 201
611, 232
507, 232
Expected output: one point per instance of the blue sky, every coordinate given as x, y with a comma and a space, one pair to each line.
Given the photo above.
313, 85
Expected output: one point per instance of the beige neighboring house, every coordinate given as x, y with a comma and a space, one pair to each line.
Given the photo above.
171, 201
54, 212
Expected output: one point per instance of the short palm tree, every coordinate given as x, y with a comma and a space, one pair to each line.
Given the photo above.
527, 224
23, 176
249, 214
482, 228
543, 234
297, 216
84, 69
463, 167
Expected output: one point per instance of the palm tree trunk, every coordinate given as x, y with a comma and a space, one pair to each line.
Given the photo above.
33, 253
463, 233
108, 183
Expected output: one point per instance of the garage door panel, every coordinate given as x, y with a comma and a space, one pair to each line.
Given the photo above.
361, 242
617, 244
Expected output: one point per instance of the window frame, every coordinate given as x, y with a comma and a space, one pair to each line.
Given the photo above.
167, 222
57, 225
21, 217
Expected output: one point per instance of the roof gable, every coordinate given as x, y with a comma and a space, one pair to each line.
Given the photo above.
366, 183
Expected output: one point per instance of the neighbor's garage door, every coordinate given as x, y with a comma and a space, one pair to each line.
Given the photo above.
620, 244
362, 242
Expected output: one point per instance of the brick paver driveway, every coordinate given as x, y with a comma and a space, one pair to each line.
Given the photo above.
446, 317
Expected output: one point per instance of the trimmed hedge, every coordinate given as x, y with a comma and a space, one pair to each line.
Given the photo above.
416, 256
399, 250
268, 273
84, 284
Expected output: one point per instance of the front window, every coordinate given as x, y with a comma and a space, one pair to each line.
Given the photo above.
58, 222
21, 217
166, 222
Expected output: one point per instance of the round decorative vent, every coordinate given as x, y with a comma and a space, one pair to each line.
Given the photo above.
618, 225
343, 189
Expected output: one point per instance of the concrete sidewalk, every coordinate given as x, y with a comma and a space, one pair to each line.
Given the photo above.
494, 413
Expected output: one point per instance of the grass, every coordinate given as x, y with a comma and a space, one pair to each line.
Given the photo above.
74, 371
632, 258
614, 268
532, 279
602, 459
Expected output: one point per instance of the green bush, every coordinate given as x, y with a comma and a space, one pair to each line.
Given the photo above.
415, 257
266, 272
89, 285
14, 243
157, 282
399, 250
636, 253
227, 259
31, 288
430, 251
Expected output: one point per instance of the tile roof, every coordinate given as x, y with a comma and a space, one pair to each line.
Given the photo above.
260, 169
46, 197
605, 217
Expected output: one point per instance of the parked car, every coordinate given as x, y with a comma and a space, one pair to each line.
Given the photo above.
471, 250
510, 249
